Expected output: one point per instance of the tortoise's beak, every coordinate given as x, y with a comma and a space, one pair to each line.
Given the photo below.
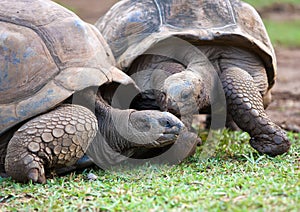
173, 107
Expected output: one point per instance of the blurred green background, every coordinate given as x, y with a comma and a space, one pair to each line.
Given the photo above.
282, 20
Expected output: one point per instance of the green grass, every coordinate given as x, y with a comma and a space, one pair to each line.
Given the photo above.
284, 33
66, 6
232, 178
264, 3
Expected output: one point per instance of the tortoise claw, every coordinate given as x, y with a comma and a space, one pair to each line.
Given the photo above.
272, 145
35, 176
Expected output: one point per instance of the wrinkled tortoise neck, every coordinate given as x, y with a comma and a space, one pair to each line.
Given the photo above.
107, 125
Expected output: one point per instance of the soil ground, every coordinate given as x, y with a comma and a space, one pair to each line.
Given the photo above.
285, 107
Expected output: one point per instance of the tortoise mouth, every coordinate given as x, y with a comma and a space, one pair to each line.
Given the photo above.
167, 139
180, 109
168, 104
175, 111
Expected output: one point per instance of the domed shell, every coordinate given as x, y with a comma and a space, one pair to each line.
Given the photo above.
131, 27
46, 54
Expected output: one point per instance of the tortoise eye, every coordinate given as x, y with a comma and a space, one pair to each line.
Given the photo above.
185, 93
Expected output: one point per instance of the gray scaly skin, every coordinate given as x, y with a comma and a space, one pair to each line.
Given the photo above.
185, 92
165, 126
59, 138
132, 133
49, 56
53, 140
246, 107
230, 33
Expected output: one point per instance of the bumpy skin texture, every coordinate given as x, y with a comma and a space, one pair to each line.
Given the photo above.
135, 27
246, 108
48, 55
53, 140
244, 83
123, 133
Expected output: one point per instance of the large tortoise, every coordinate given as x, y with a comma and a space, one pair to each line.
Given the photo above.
51, 65
184, 48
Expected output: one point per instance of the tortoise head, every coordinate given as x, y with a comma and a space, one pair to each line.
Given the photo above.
180, 93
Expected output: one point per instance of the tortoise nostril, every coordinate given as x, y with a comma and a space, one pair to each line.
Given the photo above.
180, 126
172, 126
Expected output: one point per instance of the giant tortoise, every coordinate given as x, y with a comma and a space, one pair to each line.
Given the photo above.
186, 48
51, 66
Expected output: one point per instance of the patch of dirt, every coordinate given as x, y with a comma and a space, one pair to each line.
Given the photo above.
281, 11
285, 107
89, 10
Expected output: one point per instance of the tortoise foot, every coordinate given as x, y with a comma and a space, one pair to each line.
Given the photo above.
50, 141
274, 143
245, 105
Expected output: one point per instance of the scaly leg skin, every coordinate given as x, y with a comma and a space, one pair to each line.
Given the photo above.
83, 163
245, 105
53, 140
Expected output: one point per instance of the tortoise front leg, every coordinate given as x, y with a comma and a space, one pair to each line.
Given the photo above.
245, 104
53, 140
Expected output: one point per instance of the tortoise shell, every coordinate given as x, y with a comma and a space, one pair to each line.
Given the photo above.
131, 27
46, 54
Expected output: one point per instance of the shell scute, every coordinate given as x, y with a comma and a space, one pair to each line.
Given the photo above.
219, 22
24, 60
47, 53
189, 15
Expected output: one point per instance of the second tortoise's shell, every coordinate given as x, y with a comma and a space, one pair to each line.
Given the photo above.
46, 54
131, 27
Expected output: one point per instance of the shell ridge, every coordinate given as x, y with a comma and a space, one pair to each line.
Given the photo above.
230, 7
39, 32
159, 12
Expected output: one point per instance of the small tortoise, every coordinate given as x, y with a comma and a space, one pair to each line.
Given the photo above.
185, 47
49, 60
